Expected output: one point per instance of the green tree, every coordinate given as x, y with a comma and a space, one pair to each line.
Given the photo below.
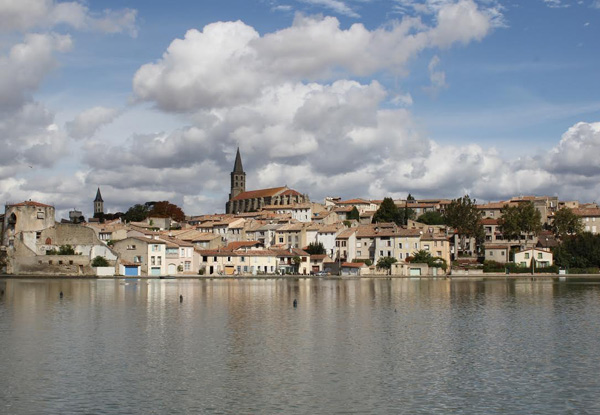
66, 250
385, 262
523, 219
99, 261
297, 261
462, 214
432, 218
578, 251
136, 213
354, 214
315, 248
424, 257
388, 212
408, 213
566, 223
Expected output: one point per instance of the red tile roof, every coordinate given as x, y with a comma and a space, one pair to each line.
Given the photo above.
252, 194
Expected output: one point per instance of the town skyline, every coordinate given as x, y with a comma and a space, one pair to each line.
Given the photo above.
331, 98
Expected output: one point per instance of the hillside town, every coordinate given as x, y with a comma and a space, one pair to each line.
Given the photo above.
280, 231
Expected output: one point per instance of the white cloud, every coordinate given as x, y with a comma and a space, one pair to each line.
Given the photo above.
336, 6
577, 151
24, 15
88, 122
229, 63
436, 77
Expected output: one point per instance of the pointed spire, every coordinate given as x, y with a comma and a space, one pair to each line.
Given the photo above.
237, 167
98, 196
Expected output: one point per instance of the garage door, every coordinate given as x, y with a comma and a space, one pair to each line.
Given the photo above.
172, 269
415, 272
155, 271
131, 271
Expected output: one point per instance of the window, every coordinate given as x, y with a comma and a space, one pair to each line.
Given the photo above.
38, 235
491, 253
380, 253
439, 253
416, 245
130, 247
152, 260
182, 252
358, 244
137, 259
388, 243
400, 245
539, 255
400, 255
526, 255
426, 247
159, 260
204, 259
214, 259
358, 253
245, 268
40, 215
281, 240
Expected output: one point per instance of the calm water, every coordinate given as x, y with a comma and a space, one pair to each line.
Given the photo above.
356, 346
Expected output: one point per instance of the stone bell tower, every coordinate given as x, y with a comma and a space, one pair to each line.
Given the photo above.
238, 177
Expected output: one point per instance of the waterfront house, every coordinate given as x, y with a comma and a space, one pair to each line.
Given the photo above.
543, 258
150, 254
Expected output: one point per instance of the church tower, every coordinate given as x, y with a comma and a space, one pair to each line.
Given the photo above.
98, 204
238, 177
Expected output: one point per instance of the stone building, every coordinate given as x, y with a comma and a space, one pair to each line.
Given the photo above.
241, 201
26, 216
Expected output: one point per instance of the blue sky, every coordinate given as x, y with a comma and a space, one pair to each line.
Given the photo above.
362, 98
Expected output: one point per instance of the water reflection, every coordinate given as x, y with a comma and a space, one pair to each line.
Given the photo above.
239, 346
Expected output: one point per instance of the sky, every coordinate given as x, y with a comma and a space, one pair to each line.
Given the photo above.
149, 100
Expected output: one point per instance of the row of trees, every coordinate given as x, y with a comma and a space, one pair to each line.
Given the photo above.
389, 212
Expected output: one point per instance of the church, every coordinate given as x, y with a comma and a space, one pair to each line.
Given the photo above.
241, 201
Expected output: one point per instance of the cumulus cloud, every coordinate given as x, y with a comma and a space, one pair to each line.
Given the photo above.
229, 63
88, 122
577, 151
23, 15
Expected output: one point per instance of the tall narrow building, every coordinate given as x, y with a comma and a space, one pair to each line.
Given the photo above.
238, 177
98, 204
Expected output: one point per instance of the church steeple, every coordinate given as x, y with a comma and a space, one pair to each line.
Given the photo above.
237, 167
238, 177
98, 204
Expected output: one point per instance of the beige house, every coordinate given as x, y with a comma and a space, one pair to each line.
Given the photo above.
438, 245
149, 254
543, 258
590, 219
497, 252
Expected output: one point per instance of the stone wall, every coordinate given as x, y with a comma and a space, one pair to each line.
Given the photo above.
53, 265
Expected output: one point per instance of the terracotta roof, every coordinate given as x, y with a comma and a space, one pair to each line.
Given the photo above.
489, 221
30, 203
587, 212
252, 194
232, 246
329, 229
345, 234
343, 209
176, 242
496, 246
287, 253
354, 202
353, 265
318, 256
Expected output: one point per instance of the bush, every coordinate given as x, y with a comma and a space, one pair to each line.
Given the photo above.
99, 261
591, 270
493, 266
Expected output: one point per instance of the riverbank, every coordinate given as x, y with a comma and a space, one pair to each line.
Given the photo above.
473, 277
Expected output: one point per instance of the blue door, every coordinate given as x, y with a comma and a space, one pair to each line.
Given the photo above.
131, 271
